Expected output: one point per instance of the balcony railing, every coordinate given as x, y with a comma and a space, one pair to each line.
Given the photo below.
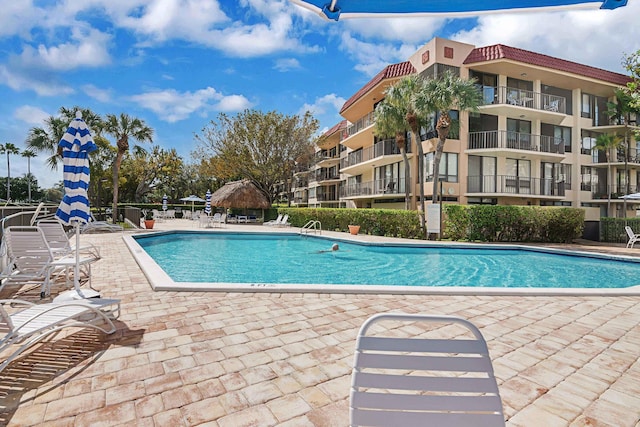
374, 188
600, 191
524, 98
506, 184
383, 148
515, 140
322, 197
361, 123
324, 175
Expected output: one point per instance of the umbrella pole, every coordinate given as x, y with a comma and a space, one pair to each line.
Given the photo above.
76, 273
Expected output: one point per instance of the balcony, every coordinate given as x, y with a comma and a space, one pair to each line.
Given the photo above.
321, 175
546, 147
506, 185
322, 197
327, 158
509, 101
377, 188
356, 161
354, 136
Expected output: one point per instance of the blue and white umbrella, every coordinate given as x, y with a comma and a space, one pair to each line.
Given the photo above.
207, 203
164, 202
76, 144
345, 9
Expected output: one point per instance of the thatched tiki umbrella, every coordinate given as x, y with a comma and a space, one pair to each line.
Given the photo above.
240, 194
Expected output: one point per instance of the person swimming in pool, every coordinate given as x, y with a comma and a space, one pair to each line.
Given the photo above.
334, 248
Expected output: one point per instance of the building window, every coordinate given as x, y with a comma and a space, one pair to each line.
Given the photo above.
387, 178
587, 142
585, 109
448, 167
482, 174
588, 178
429, 130
518, 179
488, 84
560, 132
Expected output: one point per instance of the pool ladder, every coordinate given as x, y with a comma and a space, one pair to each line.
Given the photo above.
311, 226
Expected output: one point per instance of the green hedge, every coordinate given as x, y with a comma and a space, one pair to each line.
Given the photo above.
473, 223
612, 229
378, 222
513, 223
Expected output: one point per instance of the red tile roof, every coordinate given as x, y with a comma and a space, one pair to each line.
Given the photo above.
390, 71
500, 51
336, 128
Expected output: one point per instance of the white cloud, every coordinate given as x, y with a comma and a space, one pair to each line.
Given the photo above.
31, 115
371, 58
18, 17
42, 85
172, 106
287, 64
327, 104
597, 37
85, 49
102, 95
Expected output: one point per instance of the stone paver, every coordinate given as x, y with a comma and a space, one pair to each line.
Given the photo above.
262, 359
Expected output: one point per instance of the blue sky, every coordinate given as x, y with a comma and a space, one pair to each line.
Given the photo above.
178, 63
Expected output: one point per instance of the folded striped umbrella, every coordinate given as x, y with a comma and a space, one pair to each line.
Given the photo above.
76, 144
344, 9
164, 202
207, 203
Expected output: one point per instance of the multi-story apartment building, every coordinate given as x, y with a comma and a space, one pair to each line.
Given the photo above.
530, 143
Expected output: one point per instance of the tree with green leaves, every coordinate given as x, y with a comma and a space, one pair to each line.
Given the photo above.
46, 139
632, 64
606, 143
151, 172
440, 96
123, 128
261, 147
397, 113
28, 154
9, 149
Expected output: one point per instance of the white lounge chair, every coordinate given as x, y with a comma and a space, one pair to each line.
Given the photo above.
35, 322
29, 258
633, 237
284, 222
274, 221
417, 378
59, 242
218, 220
95, 226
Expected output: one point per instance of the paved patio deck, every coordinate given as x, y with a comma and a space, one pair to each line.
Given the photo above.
261, 359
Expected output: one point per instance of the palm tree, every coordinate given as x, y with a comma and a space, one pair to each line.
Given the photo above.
122, 128
390, 120
45, 139
403, 95
440, 96
29, 154
8, 149
606, 143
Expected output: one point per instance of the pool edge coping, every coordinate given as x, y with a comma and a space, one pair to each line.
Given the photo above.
159, 280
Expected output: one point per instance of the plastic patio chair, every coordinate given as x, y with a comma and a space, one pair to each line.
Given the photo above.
423, 380
59, 242
633, 237
35, 322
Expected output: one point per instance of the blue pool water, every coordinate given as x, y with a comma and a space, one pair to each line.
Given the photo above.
258, 258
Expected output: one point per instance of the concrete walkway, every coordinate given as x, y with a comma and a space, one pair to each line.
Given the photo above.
261, 359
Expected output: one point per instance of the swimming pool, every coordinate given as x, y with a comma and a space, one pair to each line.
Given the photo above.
251, 261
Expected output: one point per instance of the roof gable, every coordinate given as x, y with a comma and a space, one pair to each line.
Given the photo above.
500, 51
390, 71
